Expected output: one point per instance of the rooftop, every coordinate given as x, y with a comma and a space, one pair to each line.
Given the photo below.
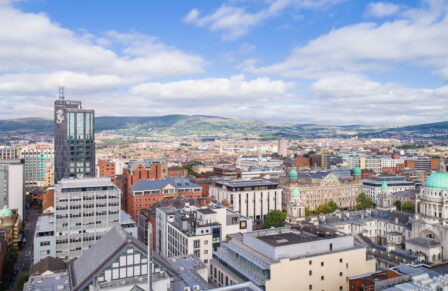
144, 185
246, 183
424, 242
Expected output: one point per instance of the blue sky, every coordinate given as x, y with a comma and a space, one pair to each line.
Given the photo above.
298, 61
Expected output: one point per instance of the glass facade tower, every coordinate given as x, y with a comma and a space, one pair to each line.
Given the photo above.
74, 140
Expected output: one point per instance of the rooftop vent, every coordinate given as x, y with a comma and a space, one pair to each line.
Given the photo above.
281, 241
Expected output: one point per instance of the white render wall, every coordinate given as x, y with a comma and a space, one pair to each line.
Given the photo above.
254, 204
15, 188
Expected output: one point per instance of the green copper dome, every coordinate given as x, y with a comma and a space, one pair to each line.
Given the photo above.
357, 171
437, 181
384, 185
296, 192
5, 212
293, 174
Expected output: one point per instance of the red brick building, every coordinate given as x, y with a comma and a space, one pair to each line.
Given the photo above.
302, 162
135, 171
368, 281
107, 169
145, 193
177, 171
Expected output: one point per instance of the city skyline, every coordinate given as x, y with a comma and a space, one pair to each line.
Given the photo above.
324, 61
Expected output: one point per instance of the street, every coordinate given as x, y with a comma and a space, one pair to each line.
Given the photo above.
25, 259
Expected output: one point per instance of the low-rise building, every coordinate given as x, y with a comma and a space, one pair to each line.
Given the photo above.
147, 192
286, 258
372, 188
252, 198
196, 231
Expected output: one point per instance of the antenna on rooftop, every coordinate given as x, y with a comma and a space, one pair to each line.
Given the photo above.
61, 92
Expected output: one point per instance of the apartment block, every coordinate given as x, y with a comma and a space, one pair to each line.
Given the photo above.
36, 161
12, 192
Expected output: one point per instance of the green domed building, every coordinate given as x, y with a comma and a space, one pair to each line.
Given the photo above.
293, 174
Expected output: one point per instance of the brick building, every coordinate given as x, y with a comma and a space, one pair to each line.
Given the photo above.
303, 162
135, 171
107, 169
177, 171
145, 193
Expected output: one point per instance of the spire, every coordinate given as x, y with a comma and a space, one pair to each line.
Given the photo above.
441, 167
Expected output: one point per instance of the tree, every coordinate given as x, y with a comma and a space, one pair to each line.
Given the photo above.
275, 218
363, 202
327, 208
398, 204
21, 280
308, 212
409, 207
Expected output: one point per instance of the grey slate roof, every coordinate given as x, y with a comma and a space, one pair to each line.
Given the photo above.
143, 185
48, 264
424, 242
320, 174
132, 165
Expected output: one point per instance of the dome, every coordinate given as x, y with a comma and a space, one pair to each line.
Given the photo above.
5, 212
293, 174
437, 181
296, 192
357, 171
384, 185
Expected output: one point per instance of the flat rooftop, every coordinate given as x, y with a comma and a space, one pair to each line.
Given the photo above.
288, 238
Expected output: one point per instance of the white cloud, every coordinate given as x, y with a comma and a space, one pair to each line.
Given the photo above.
31, 42
420, 41
215, 90
236, 21
382, 9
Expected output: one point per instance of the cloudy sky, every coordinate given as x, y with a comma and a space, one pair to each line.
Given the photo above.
298, 61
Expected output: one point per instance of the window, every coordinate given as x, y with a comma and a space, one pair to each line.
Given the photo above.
310, 273
346, 265
206, 252
321, 264
340, 260
196, 244
310, 287
340, 288
205, 242
197, 253
322, 278
340, 274
310, 262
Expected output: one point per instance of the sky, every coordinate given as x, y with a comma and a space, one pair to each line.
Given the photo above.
291, 61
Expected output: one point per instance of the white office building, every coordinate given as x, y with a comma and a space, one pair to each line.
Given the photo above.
12, 191
85, 209
372, 188
196, 231
251, 198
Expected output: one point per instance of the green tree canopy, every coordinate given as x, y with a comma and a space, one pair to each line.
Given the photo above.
363, 202
21, 280
408, 206
275, 218
398, 204
308, 212
327, 208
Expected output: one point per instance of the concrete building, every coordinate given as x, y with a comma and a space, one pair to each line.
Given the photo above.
246, 163
8, 153
372, 188
44, 243
145, 193
74, 140
127, 223
196, 231
36, 160
12, 192
85, 209
252, 198
302, 258
49, 175
282, 148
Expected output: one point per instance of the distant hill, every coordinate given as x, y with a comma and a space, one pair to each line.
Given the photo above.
179, 125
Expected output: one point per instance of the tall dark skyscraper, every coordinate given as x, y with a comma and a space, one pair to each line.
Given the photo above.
74, 140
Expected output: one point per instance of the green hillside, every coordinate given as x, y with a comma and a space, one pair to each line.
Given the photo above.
180, 125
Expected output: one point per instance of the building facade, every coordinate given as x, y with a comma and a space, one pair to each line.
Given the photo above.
196, 231
372, 188
8, 153
303, 258
36, 161
74, 140
85, 209
12, 191
252, 198
145, 193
